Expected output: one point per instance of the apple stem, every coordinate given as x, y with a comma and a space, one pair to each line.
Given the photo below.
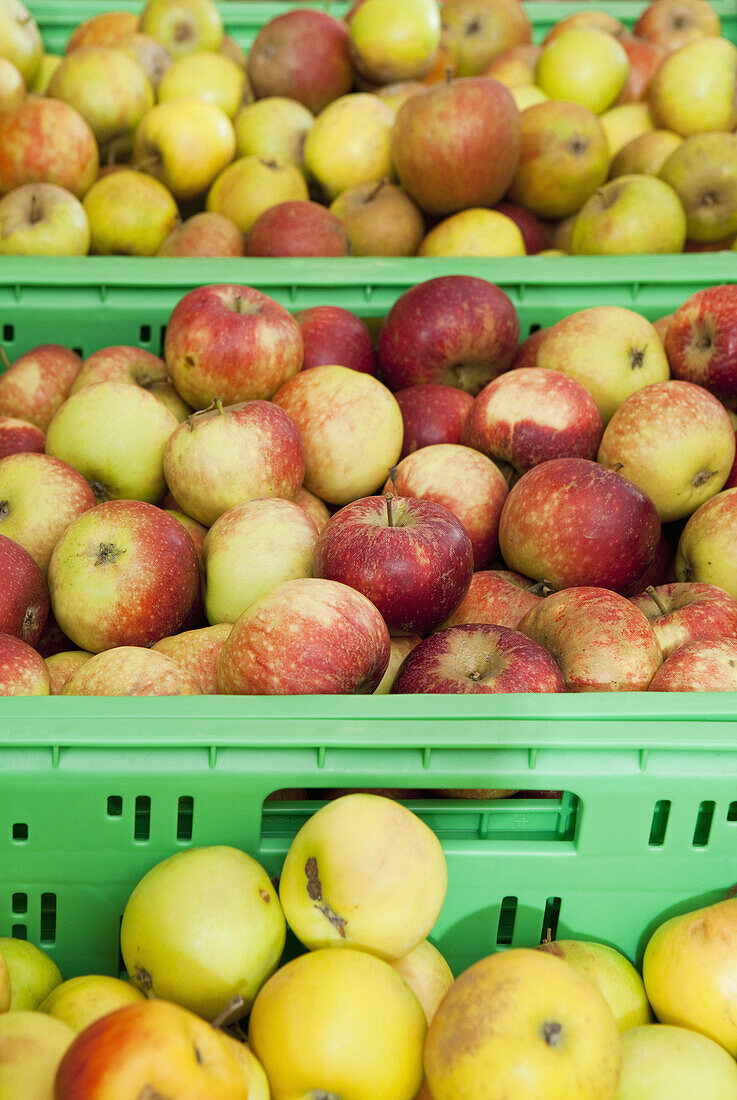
618, 466
389, 514
393, 478
548, 935
372, 194
218, 405
542, 588
238, 304
656, 600
235, 1004
4, 358
732, 892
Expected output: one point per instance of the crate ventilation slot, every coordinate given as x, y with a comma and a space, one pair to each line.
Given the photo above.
507, 915
19, 932
704, 820
659, 823
185, 817
145, 334
8, 333
142, 827
48, 919
114, 805
732, 812
20, 904
20, 831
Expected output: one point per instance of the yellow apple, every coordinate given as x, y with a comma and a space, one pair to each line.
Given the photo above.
208, 76
624, 123
130, 214
251, 185
528, 95
389, 42
661, 1062
274, 128
613, 975
32, 973
585, 65
41, 219
4, 986
400, 648
63, 665
425, 970
31, 1047
184, 143
645, 155
183, 26
695, 89
20, 39
630, 215
515, 66
78, 1002
474, 232
350, 143
257, 1085
50, 62
12, 85
706, 548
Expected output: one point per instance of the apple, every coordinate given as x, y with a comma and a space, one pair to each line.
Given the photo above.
78, 1002
22, 670
183, 26
528, 415
631, 214
584, 65
184, 143
676, 23
380, 219
148, 52
564, 158
65, 153
20, 38
303, 55
427, 974
645, 155
24, 598
707, 548
400, 647
600, 20
61, 666
612, 351
230, 342
308, 636
688, 612
37, 384
33, 974
204, 234
703, 173
198, 650
613, 975
300, 228
250, 185
224, 456
659, 1062
396, 93
104, 29
473, 122
33, 1045
123, 574
700, 665
478, 658
701, 340
527, 352
432, 413
130, 214
514, 66
131, 670
50, 62
274, 128
257, 1085
497, 596
599, 639
572, 522
313, 506
209, 77
12, 85
386, 43
19, 436
659, 569
455, 329
725, 245
41, 219
625, 121
534, 234
528, 95
481, 31
333, 335
694, 89
474, 232
196, 530
40, 497
645, 58
350, 143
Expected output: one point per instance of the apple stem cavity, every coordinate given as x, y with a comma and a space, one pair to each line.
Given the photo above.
389, 513
108, 552
637, 358
101, 491
143, 979
542, 588
702, 477
656, 600
4, 510
148, 1092
235, 1005
552, 1032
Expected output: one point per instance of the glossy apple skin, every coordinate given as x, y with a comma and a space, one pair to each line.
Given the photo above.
532, 229
198, 650
302, 55
700, 665
46, 141
334, 335
477, 658
238, 356
496, 596
204, 234
22, 670
18, 436
132, 670
38, 383
458, 330
297, 228
432, 413
707, 547
656, 572
693, 612
415, 572
701, 340
600, 640
24, 597
573, 522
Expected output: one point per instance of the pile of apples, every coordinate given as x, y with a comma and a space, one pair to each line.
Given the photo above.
280, 509
370, 1009
424, 128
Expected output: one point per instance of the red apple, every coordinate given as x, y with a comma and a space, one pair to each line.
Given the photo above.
18, 436
307, 637
725, 245
124, 573
334, 335
303, 55
673, 23
22, 670
701, 341
529, 415
731, 482
527, 351
600, 641
688, 612
477, 658
572, 522
24, 597
645, 59
132, 670
661, 326
432, 413
38, 383
230, 342
297, 228
456, 329
656, 572
532, 229
204, 234
703, 665
46, 141
411, 557
497, 596
53, 639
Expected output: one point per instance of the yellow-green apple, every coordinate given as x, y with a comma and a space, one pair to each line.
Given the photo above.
689, 972
231, 948
78, 1002
694, 88
130, 214
380, 219
131, 671
570, 521
386, 43
257, 1084
62, 665
37, 384
707, 548
39, 497
123, 574
703, 173
208, 76
334, 335
473, 121
482, 29
585, 65
645, 58
33, 973
184, 143
315, 1028
599, 639
183, 26
465, 482
302, 55
12, 85
701, 340
675, 440
231, 454
703, 665
682, 612
198, 650
314, 507
252, 548
20, 38
31, 1047
677, 22
232, 343
102, 30
204, 234
514, 66
148, 1050
427, 974
644, 155
114, 434
50, 62
624, 122
22, 670
348, 454
630, 214
396, 93
587, 17
477, 658
122, 363
297, 228
350, 143
527, 95
308, 636
613, 975
529, 414
42, 219
411, 557
432, 413
46, 141
400, 647
456, 329
19, 436
564, 158
274, 128
250, 185
525, 1009
625, 348
497, 596
24, 597
474, 232
150, 54
534, 233
660, 1061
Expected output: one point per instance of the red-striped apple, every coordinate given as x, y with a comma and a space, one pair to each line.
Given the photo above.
24, 596
700, 665
334, 335
497, 596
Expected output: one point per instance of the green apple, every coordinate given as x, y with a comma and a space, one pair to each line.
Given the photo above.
12, 85
645, 155
251, 185
474, 232
380, 219
707, 548
50, 62
78, 1002
41, 219
585, 65
274, 128
130, 214
350, 143
389, 42
631, 214
31, 1047
624, 123
33, 974
20, 39
703, 173
613, 975
695, 89
183, 26
660, 1062
184, 143
209, 76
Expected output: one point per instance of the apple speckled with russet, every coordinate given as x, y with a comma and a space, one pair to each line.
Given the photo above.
682, 612
24, 597
38, 383
132, 671
701, 665
497, 596
22, 670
